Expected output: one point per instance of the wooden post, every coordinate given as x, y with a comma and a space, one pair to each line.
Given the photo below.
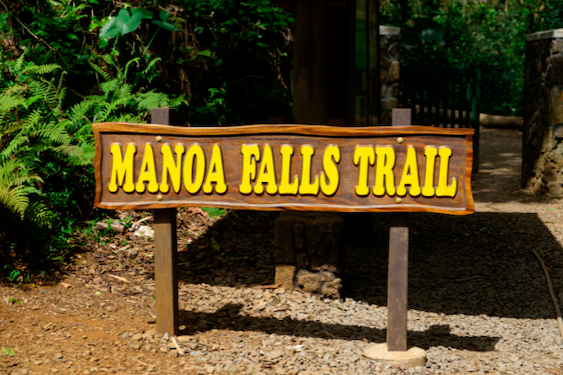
397, 289
165, 256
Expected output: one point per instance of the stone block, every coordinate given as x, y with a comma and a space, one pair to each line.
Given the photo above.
556, 106
285, 275
554, 188
395, 51
384, 62
556, 46
394, 90
383, 91
394, 72
321, 282
382, 75
557, 69
550, 176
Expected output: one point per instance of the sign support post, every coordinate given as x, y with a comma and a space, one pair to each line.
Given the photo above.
397, 289
165, 265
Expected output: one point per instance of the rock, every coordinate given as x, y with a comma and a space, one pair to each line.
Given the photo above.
209, 369
275, 354
321, 282
137, 337
284, 276
144, 230
117, 227
394, 72
101, 226
556, 46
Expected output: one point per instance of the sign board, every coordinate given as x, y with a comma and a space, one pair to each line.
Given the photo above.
285, 167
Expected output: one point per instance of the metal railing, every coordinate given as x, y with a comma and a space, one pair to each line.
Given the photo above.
443, 97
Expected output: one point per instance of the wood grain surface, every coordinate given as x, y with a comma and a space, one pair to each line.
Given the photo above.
230, 140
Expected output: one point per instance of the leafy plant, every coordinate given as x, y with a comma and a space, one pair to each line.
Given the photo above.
6, 350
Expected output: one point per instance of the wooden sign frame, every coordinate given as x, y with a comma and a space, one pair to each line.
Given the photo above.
285, 167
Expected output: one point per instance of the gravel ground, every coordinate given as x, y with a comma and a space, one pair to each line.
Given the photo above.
478, 300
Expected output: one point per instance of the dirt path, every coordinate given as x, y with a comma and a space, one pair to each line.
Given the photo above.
477, 296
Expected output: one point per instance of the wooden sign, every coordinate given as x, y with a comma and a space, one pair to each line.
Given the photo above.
284, 167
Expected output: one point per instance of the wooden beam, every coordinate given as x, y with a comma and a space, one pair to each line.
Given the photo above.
165, 259
397, 289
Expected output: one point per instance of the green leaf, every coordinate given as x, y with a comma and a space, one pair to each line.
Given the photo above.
205, 52
147, 15
166, 25
164, 15
132, 23
213, 211
122, 24
71, 36
6, 350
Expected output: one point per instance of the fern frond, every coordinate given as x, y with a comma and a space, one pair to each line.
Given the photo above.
41, 69
62, 93
52, 132
19, 62
135, 60
150, 65
15, 89
106, 111
32, 120
151, 99
109, 86
16, 198
78, 111
39, 214
9, 102
47, 90
99, 70
17, 142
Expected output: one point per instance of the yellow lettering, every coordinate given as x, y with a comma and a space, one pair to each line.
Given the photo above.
122, 168
250, 155
331, 156
443, 189
306, 187
216, 173
364, 156
410, 175
267, 173
430, 153
195, 160
170, 168
285, 187
147, 172
384, 171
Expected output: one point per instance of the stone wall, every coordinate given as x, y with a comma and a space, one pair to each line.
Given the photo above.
542, 155
389, 68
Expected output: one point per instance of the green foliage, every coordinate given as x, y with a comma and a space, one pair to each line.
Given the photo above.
490, 35
101, 60
213, 211
6, 350
46, 178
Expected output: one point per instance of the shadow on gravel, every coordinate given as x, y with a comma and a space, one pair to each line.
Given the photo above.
472, 265
229, 318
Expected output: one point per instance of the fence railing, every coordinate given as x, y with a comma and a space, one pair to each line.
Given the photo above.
443, 97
